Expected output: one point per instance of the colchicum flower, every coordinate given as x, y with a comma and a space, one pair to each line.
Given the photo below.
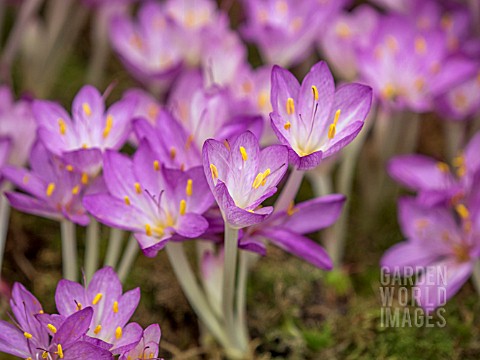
314, 120
155, 203
147, 347
446, 246
241, 177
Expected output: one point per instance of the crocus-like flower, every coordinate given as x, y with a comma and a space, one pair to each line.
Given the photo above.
286, 229
436, 241
91, 130
241, 177
147, 347
155, 203
435, 181
54, 188
111, 309
17, 123
314, 120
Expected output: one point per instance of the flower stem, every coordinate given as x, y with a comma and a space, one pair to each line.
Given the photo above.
114, 247
92, 249
476, 276
454, 138
4, 220
242, 328
129, 256
100, 47
69, 250
290, 190
193, 292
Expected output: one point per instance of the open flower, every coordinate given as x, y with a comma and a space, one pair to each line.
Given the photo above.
147, 347
153, 202
241, 177
447, 248
314, 120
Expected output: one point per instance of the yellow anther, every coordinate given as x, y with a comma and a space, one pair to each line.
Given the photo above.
343, 30
247, 86
50, 189
287, 125
244, 153
419, 83
118, 332
392, 43
69, 168
189, 142
251, 211
138, 188
315, 92
388, 91
420, 45
41, 312
443, 167
188, 188
156, 165
459, 161
84, 146
115, 307
86, 109
262, 99
27, 335
226, 144
173, 153
108, 126
75, 190
261, 179
97, 329
337, 116
127, 200
148, 230
29, 358
63, 126
97, 298
290, 106
462, 211
60, 351
52, 328
183, 207
153, 111
26, 179
446, 22
291, 209
331, 131
44, 355
84, 179
79, 306
214, 171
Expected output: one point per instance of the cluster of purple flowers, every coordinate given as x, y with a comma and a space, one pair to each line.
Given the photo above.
92, 323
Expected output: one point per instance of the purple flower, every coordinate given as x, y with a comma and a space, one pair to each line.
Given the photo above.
286, 229
314, 120
155, 203
241, 177
436, 241
436, 182
111, 309
91, 130
54, 189
17, 123
147, 347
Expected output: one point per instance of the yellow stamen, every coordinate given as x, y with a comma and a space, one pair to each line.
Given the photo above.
62, 126
392, 43
261, 179
138, 188
244, 153
226, 144
388, 91
60, 351
84, 146
419, 83
214, 171
337, 115
127, 200
52, 328
84, 178
44, 355
291, 209
40, 312
156, 165
118, 332
97, 329
265, 175
188, 189
315, 92
76, 190
173, 153
86, 109
287, 125
69, 168
26, 179
290, 106
108, 126
262, 99
115, 307
189, 142
183, 207
153, 111
333, 127
443, 167
97, 298
79, 306
462, 211
420, 45
27, 335
148, 230
50, 189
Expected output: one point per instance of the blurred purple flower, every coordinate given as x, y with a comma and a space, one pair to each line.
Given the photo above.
314, 120
147, 347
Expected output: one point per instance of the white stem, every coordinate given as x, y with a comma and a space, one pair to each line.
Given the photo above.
129, 256
115, 243
4, 220
476, 277
69, 250
92, 249
290, 190
454, 132
242, 328
100, 46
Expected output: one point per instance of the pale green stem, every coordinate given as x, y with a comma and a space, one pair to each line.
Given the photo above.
100, 46
129, 256
290, 190
193, 292
115, 243
69, 250
454, 132
476, 276
242, 328
92, 249
4, 220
